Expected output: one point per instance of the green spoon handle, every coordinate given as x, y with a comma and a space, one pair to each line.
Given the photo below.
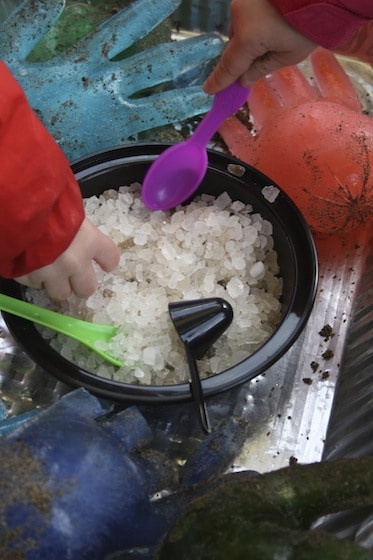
87, 333
34, 313
51, 319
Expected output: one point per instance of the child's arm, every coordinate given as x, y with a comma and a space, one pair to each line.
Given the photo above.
41, 209
268, 34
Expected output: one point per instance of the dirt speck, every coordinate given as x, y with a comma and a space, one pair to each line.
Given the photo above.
314, 366
327, 332
327, 355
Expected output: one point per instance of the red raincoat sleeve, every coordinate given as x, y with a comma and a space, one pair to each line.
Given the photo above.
329, 23
41, 208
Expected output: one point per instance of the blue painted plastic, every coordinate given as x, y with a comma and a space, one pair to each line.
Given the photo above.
70, 489
90, 102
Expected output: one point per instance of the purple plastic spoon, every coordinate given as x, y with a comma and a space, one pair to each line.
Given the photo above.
178, 171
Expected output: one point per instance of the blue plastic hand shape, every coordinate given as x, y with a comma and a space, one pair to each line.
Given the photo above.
82, 489
90, 102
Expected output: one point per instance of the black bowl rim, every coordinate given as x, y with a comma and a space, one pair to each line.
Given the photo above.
290, 327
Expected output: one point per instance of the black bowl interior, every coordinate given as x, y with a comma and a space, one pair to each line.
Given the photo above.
293, 243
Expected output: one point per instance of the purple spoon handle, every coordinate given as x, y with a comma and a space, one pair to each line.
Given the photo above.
226, 103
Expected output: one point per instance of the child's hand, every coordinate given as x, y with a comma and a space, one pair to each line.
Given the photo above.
261, 40
73, 271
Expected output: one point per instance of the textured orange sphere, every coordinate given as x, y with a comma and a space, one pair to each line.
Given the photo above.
321, 154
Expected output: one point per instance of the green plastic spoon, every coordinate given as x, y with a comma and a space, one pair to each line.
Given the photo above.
85, 332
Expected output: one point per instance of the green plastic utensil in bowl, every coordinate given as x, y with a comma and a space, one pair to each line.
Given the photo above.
83, 331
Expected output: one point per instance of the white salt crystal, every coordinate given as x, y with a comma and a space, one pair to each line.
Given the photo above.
140, 239
115, 312
237, 206
238, 262
139, 373
209, 281
168, 250
267, 228
149, 355
257, 270
177, 217
251, 234
270, 193
222, 201
235, 287
200, 228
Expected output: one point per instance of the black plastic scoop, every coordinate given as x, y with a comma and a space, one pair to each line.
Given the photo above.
199, 323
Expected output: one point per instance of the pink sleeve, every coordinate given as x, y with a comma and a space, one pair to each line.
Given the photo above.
329, 23
41, 206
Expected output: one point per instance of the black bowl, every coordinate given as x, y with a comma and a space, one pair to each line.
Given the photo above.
296, 256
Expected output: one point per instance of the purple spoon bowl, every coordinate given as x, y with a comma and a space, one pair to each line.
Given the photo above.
178, 171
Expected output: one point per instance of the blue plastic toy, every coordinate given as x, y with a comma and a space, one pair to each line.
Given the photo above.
82, 480
75, 487
90, 102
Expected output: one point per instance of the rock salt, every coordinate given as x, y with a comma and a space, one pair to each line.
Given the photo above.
257, 270
214, 247
270, 193
235, 287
